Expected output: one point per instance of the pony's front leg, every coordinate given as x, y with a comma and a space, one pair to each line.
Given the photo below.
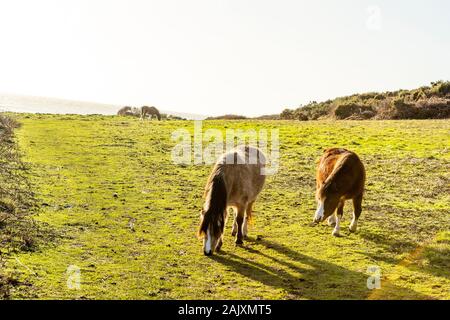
219, 244
235, 227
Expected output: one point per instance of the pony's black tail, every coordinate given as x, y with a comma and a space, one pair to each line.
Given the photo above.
216, 197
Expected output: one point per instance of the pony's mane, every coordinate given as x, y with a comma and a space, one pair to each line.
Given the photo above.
343, 155
215, 203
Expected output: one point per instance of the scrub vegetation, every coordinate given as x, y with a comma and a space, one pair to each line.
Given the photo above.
427, 102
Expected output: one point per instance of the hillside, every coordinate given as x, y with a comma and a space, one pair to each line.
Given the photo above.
428, 102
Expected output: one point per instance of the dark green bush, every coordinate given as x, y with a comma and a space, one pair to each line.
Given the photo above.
401, 104
350, 110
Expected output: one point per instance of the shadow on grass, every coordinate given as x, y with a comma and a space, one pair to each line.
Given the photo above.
438, 259
438, 262
317, 280
390, 245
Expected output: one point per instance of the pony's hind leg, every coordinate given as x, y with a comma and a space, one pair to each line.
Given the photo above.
357, 208
339, 214
248, 215
332, 220
235, 226
245, 227
240, 221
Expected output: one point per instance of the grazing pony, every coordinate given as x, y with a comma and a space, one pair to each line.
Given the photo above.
340, 176
149, 112
124, 111
235, 181
129, 111
135, 111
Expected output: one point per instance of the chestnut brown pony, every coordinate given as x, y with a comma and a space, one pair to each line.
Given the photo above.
340, 176
235, 181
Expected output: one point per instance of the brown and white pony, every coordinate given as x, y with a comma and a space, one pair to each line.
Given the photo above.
129, 111
340, 176
235, 181
149, 112
124, 111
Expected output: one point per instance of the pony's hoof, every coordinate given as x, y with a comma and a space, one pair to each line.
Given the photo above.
239, 242
332, 221
336, 233
352, 230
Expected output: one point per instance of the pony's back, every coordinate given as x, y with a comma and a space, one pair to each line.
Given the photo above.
243, 155
341, 171
243, 172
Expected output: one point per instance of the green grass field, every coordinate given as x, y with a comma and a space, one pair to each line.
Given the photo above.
141, 244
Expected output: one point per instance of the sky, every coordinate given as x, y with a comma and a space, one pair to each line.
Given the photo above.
248, 57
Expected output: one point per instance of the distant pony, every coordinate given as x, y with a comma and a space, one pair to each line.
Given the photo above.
340, 176
235, 181
124, 111
149, 112
136, 111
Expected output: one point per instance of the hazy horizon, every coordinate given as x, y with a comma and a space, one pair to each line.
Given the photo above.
51, 105
57, 105
219, 57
